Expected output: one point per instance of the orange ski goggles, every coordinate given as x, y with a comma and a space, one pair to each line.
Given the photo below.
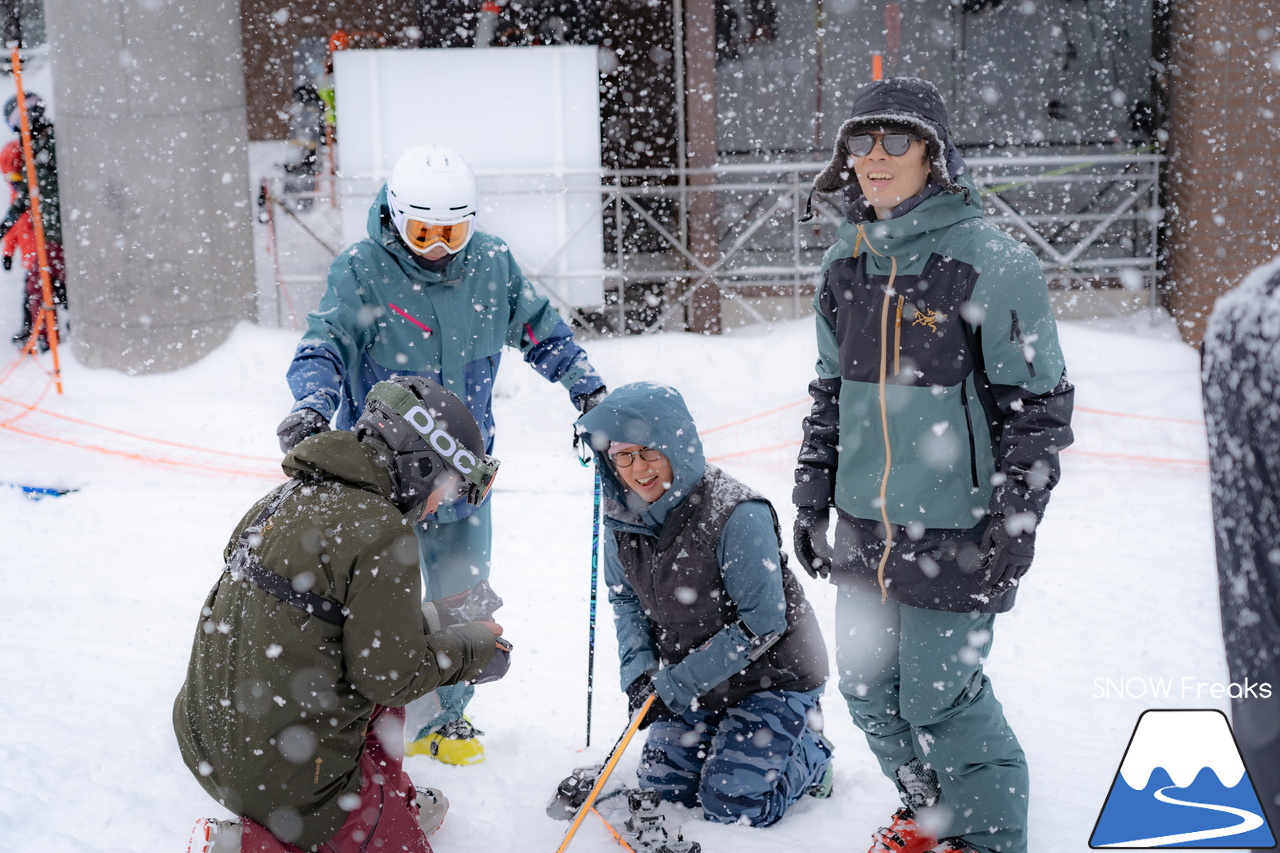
422, 235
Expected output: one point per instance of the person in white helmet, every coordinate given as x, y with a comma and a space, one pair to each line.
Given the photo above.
427, 294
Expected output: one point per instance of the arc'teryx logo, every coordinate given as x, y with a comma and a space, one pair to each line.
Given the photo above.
443, 443
929, 318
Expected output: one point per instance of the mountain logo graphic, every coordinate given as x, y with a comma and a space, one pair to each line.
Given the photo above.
1182, 783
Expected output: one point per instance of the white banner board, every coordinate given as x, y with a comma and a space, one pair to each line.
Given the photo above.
527, 119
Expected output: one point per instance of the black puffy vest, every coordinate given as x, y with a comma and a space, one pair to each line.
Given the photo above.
677, 580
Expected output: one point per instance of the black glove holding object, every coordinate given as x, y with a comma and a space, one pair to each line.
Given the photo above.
300, 425
1005, 556
8, 262
640, 690
587, 402
497, 667
811, 547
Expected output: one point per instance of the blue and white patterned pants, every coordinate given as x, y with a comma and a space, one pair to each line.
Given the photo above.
748, 763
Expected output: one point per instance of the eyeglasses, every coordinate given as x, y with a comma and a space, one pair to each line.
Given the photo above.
626, 457
894, 144
420, 235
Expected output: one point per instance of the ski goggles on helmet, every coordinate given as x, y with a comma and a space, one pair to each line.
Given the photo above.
478, 481
423, 235
894, 144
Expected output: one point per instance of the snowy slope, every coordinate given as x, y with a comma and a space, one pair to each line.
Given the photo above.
102, 588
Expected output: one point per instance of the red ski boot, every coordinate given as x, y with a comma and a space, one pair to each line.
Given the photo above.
903, 835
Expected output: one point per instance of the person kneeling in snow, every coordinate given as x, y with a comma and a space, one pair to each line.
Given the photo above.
315, 637
708, 617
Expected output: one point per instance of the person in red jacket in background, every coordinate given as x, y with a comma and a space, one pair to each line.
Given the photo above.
21, 238
44, 153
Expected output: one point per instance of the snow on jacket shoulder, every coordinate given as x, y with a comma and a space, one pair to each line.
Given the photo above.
276, 703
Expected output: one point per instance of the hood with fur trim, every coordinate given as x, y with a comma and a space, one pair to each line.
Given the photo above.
903, 104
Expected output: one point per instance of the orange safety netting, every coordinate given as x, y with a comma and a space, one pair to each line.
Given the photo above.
771, 439
768, 439
24, 386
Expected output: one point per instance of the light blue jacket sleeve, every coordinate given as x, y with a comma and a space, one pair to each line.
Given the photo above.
635, 647
752, 571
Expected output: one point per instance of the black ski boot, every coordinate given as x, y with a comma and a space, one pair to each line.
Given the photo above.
572, 792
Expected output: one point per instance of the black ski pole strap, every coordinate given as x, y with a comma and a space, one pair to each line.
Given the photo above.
282, 588
267, 511
244, 564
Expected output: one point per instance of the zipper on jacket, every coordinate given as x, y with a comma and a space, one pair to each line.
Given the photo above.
1015, 337
897, 338
968, 423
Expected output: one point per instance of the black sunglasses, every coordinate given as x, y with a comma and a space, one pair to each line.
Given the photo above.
894, 144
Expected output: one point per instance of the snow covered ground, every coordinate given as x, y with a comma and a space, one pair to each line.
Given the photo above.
102, 586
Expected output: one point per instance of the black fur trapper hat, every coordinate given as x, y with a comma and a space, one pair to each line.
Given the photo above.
903, 104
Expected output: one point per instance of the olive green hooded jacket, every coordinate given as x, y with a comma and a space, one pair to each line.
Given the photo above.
277, 703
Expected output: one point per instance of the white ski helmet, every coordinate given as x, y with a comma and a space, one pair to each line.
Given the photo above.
433, 199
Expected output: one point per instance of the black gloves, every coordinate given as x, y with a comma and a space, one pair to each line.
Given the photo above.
8, 262
587, 402
471, 606
811, 547
1005, 556
497, 667
300, 425
637, 692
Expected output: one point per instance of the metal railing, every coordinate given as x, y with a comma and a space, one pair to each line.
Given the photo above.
738, 227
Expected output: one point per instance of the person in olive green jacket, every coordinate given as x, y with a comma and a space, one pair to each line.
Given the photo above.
315, 636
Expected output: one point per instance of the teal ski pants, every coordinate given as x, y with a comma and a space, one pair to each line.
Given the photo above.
914, 685
453, 557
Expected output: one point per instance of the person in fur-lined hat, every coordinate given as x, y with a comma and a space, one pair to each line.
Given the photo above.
939, 409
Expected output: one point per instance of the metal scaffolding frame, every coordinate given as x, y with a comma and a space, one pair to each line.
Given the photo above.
1091, 220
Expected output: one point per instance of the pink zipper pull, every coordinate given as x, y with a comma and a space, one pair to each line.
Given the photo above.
426, 330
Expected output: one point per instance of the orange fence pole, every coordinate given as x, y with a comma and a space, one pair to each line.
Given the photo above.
48, 315
877, 66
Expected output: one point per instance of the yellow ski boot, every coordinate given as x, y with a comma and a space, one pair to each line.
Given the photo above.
455, 742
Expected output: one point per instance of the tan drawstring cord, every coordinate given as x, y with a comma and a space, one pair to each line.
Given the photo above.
884, 409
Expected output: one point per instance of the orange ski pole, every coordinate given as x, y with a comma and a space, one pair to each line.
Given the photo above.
615, 755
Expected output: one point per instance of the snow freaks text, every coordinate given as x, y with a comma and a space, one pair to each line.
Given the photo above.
1186, 687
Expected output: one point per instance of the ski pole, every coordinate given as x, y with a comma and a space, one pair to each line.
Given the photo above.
615, 755
591, 632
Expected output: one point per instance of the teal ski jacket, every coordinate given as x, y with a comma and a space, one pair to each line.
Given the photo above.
935, 339
941, 397
384, 315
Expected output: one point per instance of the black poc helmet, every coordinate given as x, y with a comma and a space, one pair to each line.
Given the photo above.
432, 436
35, 111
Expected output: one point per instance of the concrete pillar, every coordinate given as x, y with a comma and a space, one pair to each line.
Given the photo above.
1224, 95
700, 135
153, 173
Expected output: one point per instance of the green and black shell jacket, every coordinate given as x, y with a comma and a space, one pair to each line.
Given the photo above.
276, 704
941, 394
